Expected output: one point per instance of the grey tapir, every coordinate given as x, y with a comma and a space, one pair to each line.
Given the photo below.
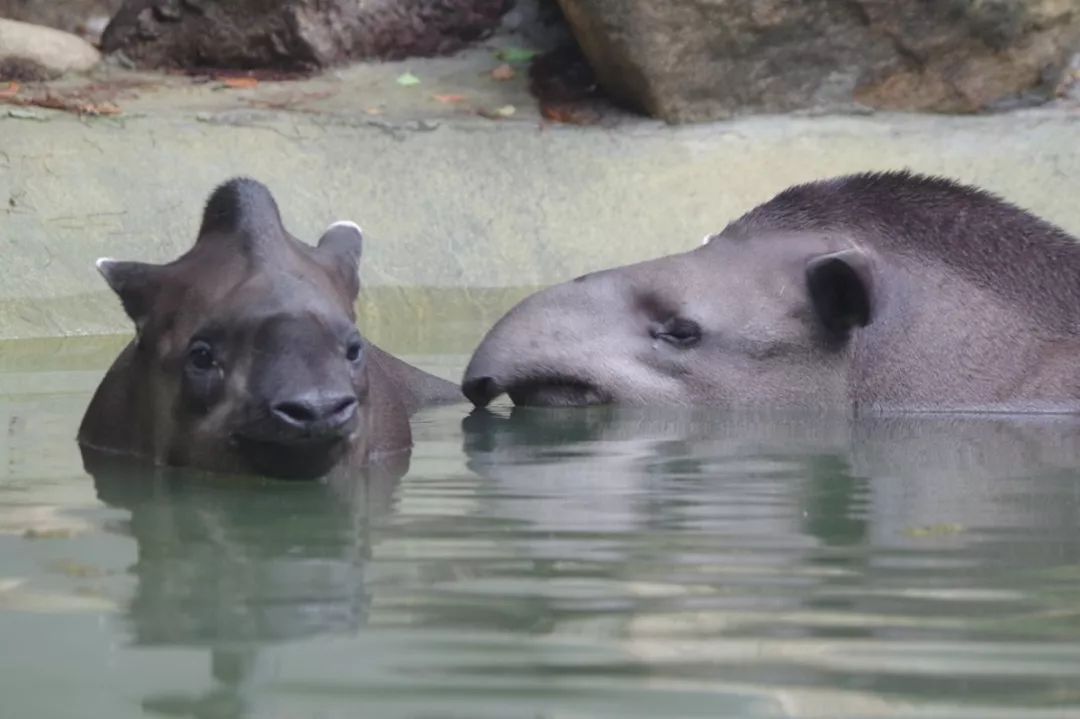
246, 356
872, 291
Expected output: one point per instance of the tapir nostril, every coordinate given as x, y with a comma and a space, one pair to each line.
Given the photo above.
480, 390
344, 407
296, 412
304, 413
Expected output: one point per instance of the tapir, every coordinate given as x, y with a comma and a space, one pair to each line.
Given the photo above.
246, 356
868, 292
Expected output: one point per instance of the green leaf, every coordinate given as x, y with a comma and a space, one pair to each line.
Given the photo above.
26, 115
408, 80
516, 55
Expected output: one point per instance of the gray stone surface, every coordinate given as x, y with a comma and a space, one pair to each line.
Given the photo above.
693, 60
462, 213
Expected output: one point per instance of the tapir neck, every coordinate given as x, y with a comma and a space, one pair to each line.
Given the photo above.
416, 388
120, 410
386, 429
944, 343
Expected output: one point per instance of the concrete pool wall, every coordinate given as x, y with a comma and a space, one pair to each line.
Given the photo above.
462, 214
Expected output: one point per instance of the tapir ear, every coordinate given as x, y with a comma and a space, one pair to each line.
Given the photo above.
339, 250
841, 289
136, 283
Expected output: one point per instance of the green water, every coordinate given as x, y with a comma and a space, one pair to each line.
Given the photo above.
547, 564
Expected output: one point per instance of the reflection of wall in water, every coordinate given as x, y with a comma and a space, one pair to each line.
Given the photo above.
228, 561
796, 483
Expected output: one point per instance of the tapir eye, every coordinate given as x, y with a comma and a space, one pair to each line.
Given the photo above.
200, 356
680, 332
354, 350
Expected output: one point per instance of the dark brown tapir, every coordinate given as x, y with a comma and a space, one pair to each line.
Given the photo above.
868, 292
246, 356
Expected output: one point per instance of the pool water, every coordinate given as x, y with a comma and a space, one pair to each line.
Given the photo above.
588, 563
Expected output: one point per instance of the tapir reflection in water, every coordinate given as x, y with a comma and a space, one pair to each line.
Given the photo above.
869, 292
247, 358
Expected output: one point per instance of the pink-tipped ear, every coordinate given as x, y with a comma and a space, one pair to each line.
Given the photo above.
340, 249
347, 224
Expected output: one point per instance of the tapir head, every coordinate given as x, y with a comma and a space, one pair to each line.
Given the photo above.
740, 321
247, 357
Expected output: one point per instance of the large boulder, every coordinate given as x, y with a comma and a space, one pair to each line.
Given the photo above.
690, 60
293, 34
33, 52
85, 18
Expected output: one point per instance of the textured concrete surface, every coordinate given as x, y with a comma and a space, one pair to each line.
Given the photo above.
462, 213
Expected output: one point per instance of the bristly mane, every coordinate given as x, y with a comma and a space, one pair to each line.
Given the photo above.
985, 239
246, 208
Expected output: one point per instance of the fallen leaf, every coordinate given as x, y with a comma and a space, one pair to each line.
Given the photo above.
503, 72
73, 104
48, 533
374, 111
27, 115
449, 99
935, 530
569, 114
408, 80
240, 83
515, 55
75, 569
290, 101
11, 90
499, 113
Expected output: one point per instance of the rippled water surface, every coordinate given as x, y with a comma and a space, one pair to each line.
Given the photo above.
547, 564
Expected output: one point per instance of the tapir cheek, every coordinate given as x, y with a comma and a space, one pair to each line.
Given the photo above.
203, 390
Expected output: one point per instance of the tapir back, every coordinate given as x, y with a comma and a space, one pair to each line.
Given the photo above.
885, 291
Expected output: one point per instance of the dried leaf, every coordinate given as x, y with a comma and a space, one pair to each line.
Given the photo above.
48, 533
11, 90
569, 113
499, 113
76, 570
449, 99
408, 80
75, 104
515, 55
240, 83
503, 72
935, 530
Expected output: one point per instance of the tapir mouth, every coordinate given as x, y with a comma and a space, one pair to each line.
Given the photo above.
548, 391
299, 458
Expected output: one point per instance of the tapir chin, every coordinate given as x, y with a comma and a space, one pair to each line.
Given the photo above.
247, 358
886, 291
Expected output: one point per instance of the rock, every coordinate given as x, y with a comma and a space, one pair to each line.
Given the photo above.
81, 17
692, 60
33, 52
23, 70
1068, 85
293, 35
